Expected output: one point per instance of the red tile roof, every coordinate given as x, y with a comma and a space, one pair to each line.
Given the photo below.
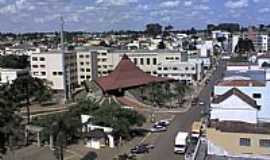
126, 75
241, 83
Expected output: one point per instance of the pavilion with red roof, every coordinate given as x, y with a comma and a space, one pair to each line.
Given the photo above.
126, 76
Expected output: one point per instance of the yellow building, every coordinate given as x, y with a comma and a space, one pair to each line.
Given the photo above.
238, 139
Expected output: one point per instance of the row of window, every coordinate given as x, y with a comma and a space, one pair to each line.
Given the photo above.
39, 73
174, 68
142, 61
87, 77
36, 66
247, 142
87, 70
82, 56
172, 58
36, 58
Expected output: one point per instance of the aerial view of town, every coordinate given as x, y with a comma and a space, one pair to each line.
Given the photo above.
134, 79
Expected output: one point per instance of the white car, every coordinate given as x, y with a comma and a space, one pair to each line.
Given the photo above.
201, 103
163, 122
158, 128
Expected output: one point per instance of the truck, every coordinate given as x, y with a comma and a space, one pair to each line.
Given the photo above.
180, 145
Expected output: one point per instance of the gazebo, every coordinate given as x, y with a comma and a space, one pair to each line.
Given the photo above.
126, 76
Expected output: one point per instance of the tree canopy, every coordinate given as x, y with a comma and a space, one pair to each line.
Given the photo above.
14, 61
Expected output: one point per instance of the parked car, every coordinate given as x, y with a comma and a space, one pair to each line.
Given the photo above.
158, 128
140, 149
149, 146
163, 123
201, 103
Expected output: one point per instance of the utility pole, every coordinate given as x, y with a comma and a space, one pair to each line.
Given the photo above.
63, 59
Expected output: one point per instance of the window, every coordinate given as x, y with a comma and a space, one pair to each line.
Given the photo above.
264, 143
82, 69
154, 61
165, 68
42, 66
82, 77
88, 70
186, 68
193, 68
257, 95
174, 68
54, 73
159, 68
86, 56
35, 66
141, 61
35, 73
87, 63
88, 77
43, 73
244, 141
82, 63
135, 60
41, 58
148, 61
81, 56
34, 58
60, 73
104, 54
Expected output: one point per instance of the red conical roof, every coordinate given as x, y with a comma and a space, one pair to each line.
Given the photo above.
126, 75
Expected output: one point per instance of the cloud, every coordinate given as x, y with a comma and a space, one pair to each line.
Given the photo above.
187, 3
264, 10
116, 2
170, 4
233, 4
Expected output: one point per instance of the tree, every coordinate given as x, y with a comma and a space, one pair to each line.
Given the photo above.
153, 29
26, 89
161, 45
14, 61
244, 46
9, 119
180, 90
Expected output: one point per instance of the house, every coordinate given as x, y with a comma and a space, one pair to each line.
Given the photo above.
257, 90
234, 105
96, 136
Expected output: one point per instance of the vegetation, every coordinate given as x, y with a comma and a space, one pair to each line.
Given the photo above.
14, 61
244, 46
111, 115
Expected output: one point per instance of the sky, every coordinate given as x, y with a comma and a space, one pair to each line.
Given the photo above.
104, 15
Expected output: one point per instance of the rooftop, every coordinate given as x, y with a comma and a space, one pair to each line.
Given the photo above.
238, 93
240, 127
241, 83
126, 75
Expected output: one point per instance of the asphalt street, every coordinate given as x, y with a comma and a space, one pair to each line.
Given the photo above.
164, 144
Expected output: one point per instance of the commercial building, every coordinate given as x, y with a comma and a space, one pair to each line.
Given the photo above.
49, 65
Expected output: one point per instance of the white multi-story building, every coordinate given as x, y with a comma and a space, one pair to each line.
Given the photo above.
262, 43
8, 75
98, 62
49, 65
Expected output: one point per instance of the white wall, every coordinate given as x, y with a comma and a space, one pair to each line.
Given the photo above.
234, 109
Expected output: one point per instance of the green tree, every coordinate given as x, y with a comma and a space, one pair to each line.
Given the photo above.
9, 119
26, 89
153, 29
14, 61
180, 90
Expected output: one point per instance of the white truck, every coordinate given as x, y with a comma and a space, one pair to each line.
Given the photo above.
180, 144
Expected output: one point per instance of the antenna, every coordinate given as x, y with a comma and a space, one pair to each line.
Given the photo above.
63, 58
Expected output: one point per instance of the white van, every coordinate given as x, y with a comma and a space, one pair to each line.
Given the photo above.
180, 145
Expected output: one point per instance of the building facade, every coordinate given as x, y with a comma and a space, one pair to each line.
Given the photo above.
49, 65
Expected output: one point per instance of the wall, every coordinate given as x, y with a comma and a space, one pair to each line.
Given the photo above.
230, 142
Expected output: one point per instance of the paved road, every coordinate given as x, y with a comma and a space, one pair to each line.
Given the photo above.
182, 122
